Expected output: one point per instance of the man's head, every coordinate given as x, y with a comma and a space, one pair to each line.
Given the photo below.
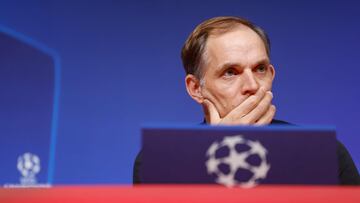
226, 60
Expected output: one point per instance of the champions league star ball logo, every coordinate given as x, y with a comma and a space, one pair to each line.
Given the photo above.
28, 165
236, 161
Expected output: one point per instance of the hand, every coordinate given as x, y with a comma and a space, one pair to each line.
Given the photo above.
255, 110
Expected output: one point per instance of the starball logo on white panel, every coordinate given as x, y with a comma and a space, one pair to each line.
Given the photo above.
236, 161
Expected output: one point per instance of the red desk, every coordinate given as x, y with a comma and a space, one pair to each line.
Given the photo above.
181, 193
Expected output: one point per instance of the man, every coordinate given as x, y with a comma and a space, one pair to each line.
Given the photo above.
228, 72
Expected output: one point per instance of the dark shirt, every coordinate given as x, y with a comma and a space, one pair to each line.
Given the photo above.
347, 172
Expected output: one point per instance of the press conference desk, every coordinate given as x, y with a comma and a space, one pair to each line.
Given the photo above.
181, 193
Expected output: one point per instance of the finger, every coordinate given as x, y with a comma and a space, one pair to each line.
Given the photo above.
267, 117
260, 109
211, 112
246, 106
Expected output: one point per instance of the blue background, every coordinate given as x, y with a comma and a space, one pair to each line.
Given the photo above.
121, 66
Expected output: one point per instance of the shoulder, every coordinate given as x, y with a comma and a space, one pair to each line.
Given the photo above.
348, 174
280, 122
136, 169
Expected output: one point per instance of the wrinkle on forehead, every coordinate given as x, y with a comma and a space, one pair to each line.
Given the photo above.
241, 45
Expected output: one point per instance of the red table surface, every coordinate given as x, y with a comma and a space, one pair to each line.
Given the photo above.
181, 193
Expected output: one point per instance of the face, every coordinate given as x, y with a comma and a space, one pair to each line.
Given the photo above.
236, 66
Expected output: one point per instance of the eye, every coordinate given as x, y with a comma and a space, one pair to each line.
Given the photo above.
230, 72
261, 68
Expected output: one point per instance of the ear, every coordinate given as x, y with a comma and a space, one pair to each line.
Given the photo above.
193, 88
272, 71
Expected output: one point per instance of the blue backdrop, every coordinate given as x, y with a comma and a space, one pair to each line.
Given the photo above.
120, 67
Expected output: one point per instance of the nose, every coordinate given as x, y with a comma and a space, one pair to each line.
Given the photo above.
249, 83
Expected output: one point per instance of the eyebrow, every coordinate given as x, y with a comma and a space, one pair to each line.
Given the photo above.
225, 66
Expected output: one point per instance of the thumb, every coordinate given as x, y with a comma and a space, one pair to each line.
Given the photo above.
211, 112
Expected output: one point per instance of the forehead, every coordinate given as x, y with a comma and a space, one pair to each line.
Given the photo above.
241, 46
